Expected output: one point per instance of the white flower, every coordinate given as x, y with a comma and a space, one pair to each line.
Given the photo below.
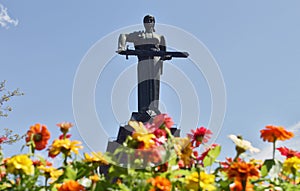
246, 145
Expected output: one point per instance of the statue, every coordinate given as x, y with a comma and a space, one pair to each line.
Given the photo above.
150, 48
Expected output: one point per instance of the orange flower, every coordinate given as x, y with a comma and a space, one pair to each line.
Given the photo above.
39, 134
237, 186
273, 133
64, 126
241, 172
71, 185
160, 184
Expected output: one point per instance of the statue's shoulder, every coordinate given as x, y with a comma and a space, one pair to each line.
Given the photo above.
137, 33
157, 35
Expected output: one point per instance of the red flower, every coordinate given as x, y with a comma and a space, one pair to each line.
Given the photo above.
39, 134
40, 163
204, 154
160, 133
63, 136
2, 139
201, 135
288, 152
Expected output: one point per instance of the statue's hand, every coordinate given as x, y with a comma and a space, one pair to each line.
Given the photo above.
119, 50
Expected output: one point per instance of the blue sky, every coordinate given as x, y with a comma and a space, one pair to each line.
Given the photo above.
255, 43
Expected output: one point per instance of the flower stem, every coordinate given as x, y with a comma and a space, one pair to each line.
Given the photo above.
244, 184
274, 148
65, 160
46, 180
198, 170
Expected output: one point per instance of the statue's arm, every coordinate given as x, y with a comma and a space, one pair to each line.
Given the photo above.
124, 38
162, 45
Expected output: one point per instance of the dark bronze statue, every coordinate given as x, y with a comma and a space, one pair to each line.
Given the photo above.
150, 48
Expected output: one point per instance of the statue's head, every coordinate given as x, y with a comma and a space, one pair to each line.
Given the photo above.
149, 22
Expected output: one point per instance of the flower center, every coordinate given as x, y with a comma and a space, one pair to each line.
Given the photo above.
37, 137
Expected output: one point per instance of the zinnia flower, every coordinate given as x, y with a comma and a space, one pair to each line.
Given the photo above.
206, 181
243, 145
273, 133
41, 163
20, 164
291, 165
71, 185
163, 119
288, 152
145, 139
64, 126
95, 158
241, 172
94, 178
39, 134
201, 135
160, 184
64, 145
184, 150
51, 172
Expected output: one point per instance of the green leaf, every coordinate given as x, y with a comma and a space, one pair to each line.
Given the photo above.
270, 167
266, 167
211, 156
123, 187
70, 173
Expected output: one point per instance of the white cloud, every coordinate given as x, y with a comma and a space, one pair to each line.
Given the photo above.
294, 143
5, 19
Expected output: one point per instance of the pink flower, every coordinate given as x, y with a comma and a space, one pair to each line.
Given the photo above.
201, 135
163, 119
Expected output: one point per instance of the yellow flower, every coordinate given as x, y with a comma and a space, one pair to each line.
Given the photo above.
95, 158
141, 134
64, 145
146, 141
291, 165
184, 150
20, 163
51, 172
206, 182
94, 178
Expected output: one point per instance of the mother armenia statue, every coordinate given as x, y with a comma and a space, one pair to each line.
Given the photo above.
150, 48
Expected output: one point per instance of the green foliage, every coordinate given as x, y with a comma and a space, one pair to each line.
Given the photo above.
212, 156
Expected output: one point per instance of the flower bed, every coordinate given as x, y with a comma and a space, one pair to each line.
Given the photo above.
149, 160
